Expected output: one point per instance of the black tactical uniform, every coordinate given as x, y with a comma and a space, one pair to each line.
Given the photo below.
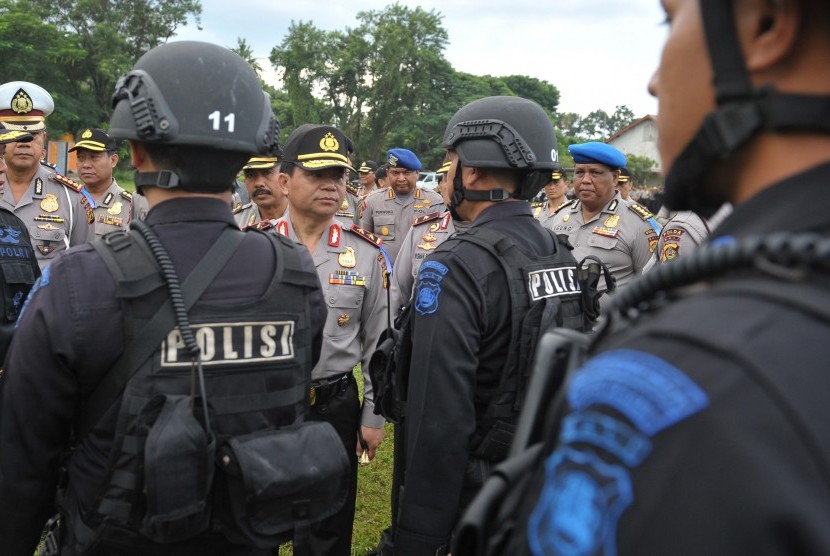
70, 334
20, 270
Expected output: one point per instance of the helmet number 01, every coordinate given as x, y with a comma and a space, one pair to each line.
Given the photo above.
216, 118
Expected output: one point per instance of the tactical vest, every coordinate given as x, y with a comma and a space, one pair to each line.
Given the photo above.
18, 272
170, 477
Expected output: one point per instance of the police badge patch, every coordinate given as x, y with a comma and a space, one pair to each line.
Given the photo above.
429, 287
580, 505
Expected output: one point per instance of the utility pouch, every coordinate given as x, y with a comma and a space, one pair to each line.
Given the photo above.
179, 462
282, 480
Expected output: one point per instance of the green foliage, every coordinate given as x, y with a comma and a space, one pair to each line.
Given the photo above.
77, 50
641, 167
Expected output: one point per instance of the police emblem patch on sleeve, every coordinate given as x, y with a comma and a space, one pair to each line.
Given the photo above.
428, 287
626, 444
649, 391
580, 505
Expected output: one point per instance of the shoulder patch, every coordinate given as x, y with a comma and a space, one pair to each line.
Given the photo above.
71, 184
239, 208
426, 218
367, 235
567, 203
428, 287
649, 391
641, 211
262, 225
127, 195
353, 190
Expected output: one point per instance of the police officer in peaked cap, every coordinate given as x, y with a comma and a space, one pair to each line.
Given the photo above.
502, 150
114, 206
53, 207
256, 333
701, 424
261, 174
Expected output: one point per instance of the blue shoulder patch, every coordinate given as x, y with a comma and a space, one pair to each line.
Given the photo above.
580, 505
39, 283
646, 389
612, 435
428, 287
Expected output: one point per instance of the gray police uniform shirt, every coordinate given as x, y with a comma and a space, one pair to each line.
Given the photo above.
543, 215
248, 214
117, 208
623, 236
427, 232
350, 208
55, 211
390, 215
351, 268
683, 232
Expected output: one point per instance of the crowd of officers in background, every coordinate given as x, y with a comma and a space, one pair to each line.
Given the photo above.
375, 236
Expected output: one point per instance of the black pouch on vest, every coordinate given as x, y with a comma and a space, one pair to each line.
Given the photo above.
179, 462
282, 480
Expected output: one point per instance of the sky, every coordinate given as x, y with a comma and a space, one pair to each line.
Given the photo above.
599, 53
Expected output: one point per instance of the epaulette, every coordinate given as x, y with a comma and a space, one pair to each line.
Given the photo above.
537, 204
426, 218
70, 183
239, 208
262, 225
353, 190
49, 165
642, 211
567, 203
127, 195
367, 235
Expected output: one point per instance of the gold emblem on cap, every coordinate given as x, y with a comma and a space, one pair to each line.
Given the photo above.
22, 102
343, 319
49, 203
347, 259
612, 221
86, 134
329, 143
115, 208
566, 218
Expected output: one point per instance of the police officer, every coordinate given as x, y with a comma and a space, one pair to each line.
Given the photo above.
624, 184
598, 222
17, 258
262, 184
427, 233
51, 205
684, 231
554, 191
710, 411
463, 307
246, 326
114, 206
366, 172
352, 266
389, 213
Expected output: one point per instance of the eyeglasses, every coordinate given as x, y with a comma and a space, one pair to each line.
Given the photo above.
399, 173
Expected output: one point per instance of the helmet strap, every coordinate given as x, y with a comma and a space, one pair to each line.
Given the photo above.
460, 193
164, 179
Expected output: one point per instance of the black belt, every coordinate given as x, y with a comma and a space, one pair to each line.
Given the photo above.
325, 389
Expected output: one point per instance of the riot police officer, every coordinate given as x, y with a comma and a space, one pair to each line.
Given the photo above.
255, 333
467, 295
701, 426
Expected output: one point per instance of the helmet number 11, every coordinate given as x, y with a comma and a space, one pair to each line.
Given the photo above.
216, 118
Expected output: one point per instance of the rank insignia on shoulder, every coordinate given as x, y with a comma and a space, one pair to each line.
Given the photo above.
261, 226
367, 235
565, 204
71, 184
426, 218
352, 189
127, 195
607, 232
641, 211
240, 207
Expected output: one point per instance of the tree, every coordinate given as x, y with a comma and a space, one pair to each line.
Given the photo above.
641, 167
534, 89
80, 48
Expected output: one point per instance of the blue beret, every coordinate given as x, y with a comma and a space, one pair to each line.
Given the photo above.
597, 153
403, 158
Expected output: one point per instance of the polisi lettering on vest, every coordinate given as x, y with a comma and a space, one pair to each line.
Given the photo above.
222, 343
552, 282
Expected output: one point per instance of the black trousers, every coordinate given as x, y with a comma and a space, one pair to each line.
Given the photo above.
333, 536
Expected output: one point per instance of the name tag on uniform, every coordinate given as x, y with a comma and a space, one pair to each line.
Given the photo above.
232, 343
552, 282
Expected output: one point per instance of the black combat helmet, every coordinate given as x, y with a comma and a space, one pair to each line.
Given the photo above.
743, 111
202, 101
512, 133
